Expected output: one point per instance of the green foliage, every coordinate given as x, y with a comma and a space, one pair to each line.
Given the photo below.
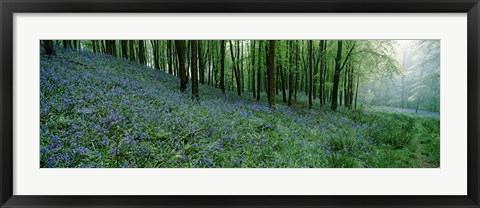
117, 113
395, 130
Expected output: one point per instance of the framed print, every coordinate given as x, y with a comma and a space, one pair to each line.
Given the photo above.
246, 104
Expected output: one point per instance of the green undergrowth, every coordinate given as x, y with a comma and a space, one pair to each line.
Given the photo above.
105, 112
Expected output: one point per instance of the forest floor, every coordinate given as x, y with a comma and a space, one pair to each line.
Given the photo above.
101, 111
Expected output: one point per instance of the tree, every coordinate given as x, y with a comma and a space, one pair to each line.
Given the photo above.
156, 55
170, 57
425, 76
322, 75
259, 71
252, 55
222, 66
180, 45
194, 71
292, 72
141, 52
236, 69
111, 47
310, 85
201, 63
123, 43
338, 68
132, 50
94, 46
66, 43
48, 46
271, 74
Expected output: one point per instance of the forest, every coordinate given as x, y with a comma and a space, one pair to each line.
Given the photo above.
240, 103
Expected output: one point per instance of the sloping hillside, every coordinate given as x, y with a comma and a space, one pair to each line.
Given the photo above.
102, 111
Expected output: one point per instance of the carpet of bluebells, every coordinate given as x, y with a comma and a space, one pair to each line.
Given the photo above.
99, 111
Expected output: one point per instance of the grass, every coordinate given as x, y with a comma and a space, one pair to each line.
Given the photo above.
105, 112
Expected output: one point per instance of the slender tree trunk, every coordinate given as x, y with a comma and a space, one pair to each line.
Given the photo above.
194, 73
74, 42
282, 76
48, 46
240, 64
310, 85
350, 83
108, 47
356, 91
66, 44
259, 71
123, 43
297, 63
156, 62
320, 90
253, 68
132, 50
187, 58
418, 104
338, 69
112, 48
235, 69
201, 63
336, 76
141, 52
180, 44
210, 63
222, 66
324, 75
345, 85
94, 46
292, 72
170, 56
316, 58
271, 74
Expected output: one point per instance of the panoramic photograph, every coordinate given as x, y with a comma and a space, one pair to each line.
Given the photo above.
239, 103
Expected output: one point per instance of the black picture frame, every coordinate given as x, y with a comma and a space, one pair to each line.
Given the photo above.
9, 7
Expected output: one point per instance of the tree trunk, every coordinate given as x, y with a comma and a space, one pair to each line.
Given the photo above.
132, 50
235, 69
336, 75
94, 47
48, 46
141, 52
350, 87
292, 72
324, 75
356, 91
271, 74
201, 63
222, 66
338, 69
282, 78
180, 45
123, 43
170, 56
345, 85
320, 90
297, 68
418, 104
253, 68
156, 61
259, 71
310, 85
194, 72
66, 44
74, 42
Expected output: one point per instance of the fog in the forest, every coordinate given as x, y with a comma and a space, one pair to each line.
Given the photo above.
414, 84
